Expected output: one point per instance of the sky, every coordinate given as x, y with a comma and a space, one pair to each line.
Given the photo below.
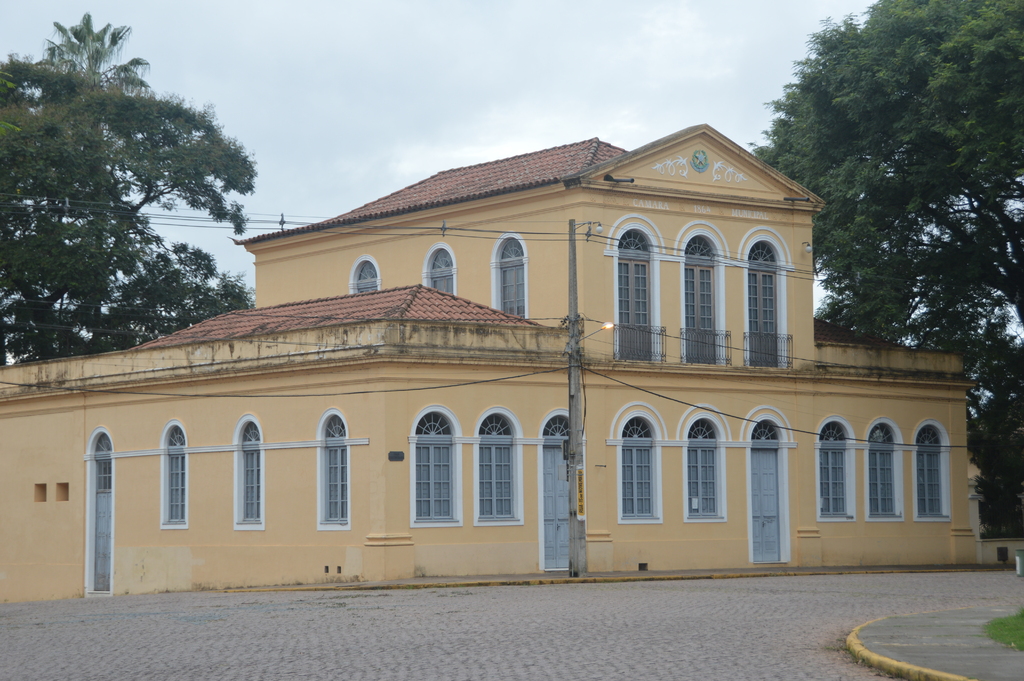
342, 102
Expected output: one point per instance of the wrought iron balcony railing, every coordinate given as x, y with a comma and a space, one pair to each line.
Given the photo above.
706, 346
768, 350
640, 343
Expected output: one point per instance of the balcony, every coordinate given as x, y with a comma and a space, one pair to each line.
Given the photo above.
640, 343
706, 346
768, 350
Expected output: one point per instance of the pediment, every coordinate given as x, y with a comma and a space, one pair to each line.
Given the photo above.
699, 159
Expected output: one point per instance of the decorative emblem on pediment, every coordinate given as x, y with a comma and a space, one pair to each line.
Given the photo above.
700, 162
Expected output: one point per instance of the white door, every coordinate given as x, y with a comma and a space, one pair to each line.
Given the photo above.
556, 510
764, 504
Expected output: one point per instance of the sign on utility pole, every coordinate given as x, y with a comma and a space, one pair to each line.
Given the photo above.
577, 522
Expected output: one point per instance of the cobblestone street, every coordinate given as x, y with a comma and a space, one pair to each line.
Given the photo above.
761, 628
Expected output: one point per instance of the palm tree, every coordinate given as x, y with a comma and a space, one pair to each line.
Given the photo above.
84, 50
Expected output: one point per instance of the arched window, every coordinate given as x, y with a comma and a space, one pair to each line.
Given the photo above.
881, 472
367, 278
762, 328
252, 474
433, 424
762, 254
633, 243
832, 469
699, 247
434, 468
700, 340
176, 475
929, 472
637, 469
104, 448
512, 277
764, 430
334, 472
702, 470
557, 427
495, 468
442, 272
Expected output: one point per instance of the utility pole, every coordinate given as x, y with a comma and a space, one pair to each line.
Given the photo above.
577, 525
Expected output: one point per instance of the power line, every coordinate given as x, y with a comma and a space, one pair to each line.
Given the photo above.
743, 418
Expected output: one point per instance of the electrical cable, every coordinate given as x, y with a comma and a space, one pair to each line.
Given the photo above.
743, 418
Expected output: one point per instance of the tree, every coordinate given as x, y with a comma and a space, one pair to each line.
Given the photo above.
5, 85
81, 268
911, 127
91, 53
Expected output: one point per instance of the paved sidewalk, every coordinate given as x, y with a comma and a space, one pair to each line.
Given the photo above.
556, 577
952, 643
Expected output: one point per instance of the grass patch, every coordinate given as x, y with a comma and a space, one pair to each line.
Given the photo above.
1008, 630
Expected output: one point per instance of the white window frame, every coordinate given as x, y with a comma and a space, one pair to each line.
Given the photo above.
898, 454
721, 501
456, 468
353, 277
165, 479
90, 512
783, 265
517, 471
654, 421
322, 524
849, 473
944, 480
428, 261
496, 299
239, 488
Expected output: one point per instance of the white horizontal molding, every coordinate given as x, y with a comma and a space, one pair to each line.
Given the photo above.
212, 449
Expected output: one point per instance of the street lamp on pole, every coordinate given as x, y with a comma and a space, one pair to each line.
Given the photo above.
577, 524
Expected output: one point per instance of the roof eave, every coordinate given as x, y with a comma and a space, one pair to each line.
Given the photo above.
598, 171
363, 220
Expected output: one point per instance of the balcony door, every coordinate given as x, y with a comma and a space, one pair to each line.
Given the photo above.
634, 334
762, 329
700, 340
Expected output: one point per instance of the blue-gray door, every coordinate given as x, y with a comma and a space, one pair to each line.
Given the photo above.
556, 510
764, 504
101, 541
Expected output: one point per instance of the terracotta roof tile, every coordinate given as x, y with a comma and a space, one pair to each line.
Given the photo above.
827, 332
418, 303
474, 182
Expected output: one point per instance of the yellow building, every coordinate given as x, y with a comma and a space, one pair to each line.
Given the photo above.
396, 405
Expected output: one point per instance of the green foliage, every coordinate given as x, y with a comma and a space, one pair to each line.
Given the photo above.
5, 85
1008, 630
81, 269
91, 54
911, 128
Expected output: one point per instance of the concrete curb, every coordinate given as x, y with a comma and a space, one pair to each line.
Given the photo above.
904, 670
366, 586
